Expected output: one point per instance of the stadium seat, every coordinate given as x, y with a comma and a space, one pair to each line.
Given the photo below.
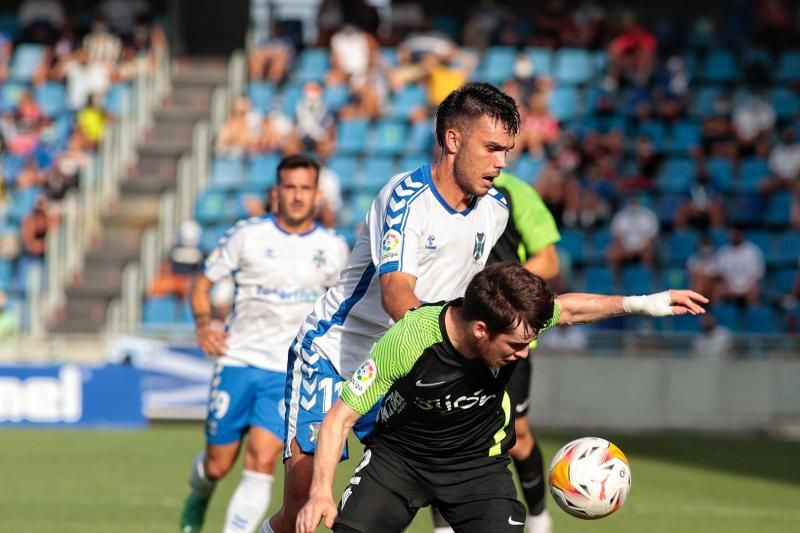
10, 93
527, 167
676, 175
116, 97
210, 207
345, 167
636, 279
704, 101
312, 64
762, 239
6, 273
412, 162
685, 135
679, 245
389, 55
667, 205
719, 67
23, 202
785, 102
336, 96
727, 315
211, 236
377, 171
564, 103
352, 136
600, 241
356, 208
778, 212
420, 137
160, 310
685, 323
290, 95
745, 209
542, 59
789, 66
674, 278
497, 65
51, 97
598, 279
572, 243
761, 319
261, 173
752, 172
721, 171
11, 165
261, 95
655, 131
227, 174
390, 138
406, 100
25, 59
573, 66
781, 282
238, 203
786, 248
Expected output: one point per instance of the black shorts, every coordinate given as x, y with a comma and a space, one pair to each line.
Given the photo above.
519, 387
386, 491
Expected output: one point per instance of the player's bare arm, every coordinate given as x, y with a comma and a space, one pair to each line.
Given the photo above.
210, 340
397, 294
332, 435
544, 263
580, 308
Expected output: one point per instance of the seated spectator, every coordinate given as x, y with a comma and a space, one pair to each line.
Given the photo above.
9, 324
633, 230
672, 89
407, 16
101, 45
717, 138
315, 124
552, 25
539, 126
741, 267
558, 185
588, 20
412, 51
647, 161
30, 175
34, 230
271, 57
83, 78
369, 94
784, 163
702, 267
715, 342
124, 16
238, 133
632, 55
446, 74
41, 20
6, 45
599, 192
167, 283
703, 205
28, 109
20, 137
91, 123
351, 54
753, 120
65, 173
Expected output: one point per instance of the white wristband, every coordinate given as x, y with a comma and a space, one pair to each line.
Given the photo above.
658, 304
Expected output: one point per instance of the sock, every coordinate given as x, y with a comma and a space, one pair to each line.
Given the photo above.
531, 477
249, 502
201, 486
265, 527
541, 523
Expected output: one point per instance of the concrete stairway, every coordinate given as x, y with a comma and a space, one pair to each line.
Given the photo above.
122, 225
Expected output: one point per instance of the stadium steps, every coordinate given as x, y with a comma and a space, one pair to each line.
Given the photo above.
137, 207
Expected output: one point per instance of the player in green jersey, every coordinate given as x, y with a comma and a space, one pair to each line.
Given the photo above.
444, 428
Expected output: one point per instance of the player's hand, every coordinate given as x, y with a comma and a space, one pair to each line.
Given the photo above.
211, 340
316, 508
687, 302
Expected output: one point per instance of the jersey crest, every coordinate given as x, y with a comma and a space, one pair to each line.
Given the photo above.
480, 243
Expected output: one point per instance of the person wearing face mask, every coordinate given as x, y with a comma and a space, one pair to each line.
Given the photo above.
315, 125
741, 267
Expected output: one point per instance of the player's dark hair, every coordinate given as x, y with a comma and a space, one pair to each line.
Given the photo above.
504, 294
297, 161
472, 101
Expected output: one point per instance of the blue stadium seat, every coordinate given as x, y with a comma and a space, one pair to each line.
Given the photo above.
352, 136
673, 278
51, 97
527, 167
564, 103
685, 135
572, 243
573, 66
10, 93
6, 273
261, 94
789, 66
262, 172
676, 175
23, 201
762, 239
160, 310
761, 319
290, 95
116, 97
600, 241
779, 206
719, 67
686, 323
781, 282
11, 166
312, 64
655, 131
377, 171
336, 96
345, 167
636, 279
704, 100
542, 59
211, 236
411, 162
239, 202
727, 315
356, 208
405, 101
389, 138
721, 170
389, 55
598, 279
210, 207
719, 236
227, 174
420, 137
679, 245
786, 248
785, 102
746, 209
667, 205
25, 59
753, 170
497, 64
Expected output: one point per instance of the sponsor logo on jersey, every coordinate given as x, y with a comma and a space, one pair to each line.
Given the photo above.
391, 245
480, 243
392, 404
319, 258
431, 242
363, 377
448, 403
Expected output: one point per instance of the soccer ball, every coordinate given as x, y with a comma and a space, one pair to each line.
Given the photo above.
590, 478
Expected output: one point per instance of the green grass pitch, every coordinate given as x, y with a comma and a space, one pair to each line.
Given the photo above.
119, 481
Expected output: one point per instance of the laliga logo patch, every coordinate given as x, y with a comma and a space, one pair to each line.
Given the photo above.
363, 377
391, 245
480, 242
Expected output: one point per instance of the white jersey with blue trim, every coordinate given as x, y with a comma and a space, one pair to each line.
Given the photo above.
278, 276
410, 229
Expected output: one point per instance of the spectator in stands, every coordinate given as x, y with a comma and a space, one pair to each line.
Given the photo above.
91, 122
238, 133
20, 137
599, 192
83, 78
276, 133
753, 120
703, 204
588, 20
34, 230
30, 175
407, 16
352, 51
552, 25
41, 20
445, 74
632, 55
315, 124
369, 94
123, 16
6, 44
717, 137
633, 230
741, 267
540, 127
271, 58
647, 160
715, 342
166, 283
28, 109
702, 267
186, 257
784, 163
9, 323
101, 45
65, 173
559, 186
490, 24
672, 89
331, 192
413, 50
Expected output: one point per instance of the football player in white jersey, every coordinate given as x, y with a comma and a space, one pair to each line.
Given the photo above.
427, 234
280, 264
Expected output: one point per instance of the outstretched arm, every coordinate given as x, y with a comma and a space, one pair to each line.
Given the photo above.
332, 435
580, 308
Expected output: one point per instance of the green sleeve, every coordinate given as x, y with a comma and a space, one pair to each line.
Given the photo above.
393, 357
553, 322
530, 215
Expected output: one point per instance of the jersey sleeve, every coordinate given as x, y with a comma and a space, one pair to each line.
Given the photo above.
224, 259
392, 358
533, 220
341, 255
553, 322
396, 226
